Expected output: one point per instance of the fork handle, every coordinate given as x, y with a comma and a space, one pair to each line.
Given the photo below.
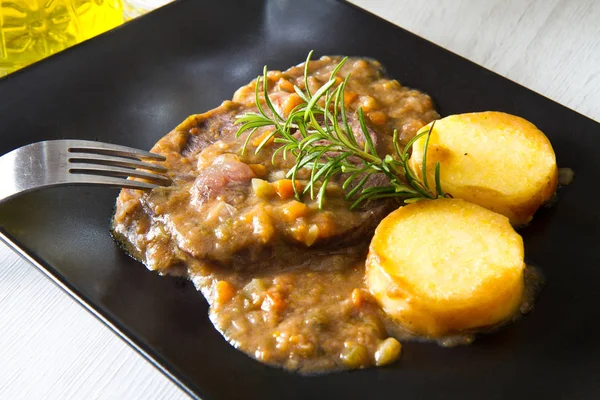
9, 186
29, 168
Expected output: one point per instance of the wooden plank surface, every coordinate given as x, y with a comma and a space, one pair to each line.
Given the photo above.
51, 348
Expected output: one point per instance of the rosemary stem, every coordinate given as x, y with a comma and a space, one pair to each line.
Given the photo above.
312, 143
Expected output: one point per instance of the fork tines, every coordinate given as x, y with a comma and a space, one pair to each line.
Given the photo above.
110, 164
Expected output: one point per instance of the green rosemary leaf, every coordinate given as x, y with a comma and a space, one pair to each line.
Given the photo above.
438, 182
322, 140
355, 175
277, 151
301, 162
348, 131
301, 94
251, 117
253, 125
396, 144
339, 134
248, 139
337, 68
379, 189
328, 118
411, 142
268, 99
265, 141
320, 93
358, 187
288, 147
306, 65
335, 162
424, 163
302, 128
366, 196
321, 195
315, 125
309, 140
313, 172
413, 200
369, 146
257, 98
418, 186
402, 188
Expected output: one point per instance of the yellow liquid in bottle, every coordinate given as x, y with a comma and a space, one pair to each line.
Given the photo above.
33, 29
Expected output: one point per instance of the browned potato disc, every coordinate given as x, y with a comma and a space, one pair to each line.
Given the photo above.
497, 160
443, 266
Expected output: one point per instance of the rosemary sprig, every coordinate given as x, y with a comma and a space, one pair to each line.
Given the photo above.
322, 141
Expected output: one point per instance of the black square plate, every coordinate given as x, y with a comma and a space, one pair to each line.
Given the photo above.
135, 83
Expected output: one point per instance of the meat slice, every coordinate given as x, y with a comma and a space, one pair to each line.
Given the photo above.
226, 171
235, 209
215, 212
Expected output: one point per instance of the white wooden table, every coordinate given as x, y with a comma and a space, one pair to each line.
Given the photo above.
51, 348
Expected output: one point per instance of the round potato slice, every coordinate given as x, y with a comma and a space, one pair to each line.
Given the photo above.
440, 267
497, 160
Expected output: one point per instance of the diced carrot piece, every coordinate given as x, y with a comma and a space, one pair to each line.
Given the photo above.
299, 232
224, 292
361, 64
257, 140
290, 102
393, 84
311, 235
262, 226
286, 86
377, 117
357, 299
285, 188
273, 301
259, 169
360, 297
274, 76
294, 210
247, 217
349, 97
368, 104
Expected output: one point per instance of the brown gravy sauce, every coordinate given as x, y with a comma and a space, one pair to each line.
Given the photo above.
312, 313
329, 321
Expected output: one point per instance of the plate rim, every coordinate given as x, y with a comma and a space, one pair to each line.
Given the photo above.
118, 329
148, 353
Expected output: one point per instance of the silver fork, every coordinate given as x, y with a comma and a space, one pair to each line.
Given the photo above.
77, 162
